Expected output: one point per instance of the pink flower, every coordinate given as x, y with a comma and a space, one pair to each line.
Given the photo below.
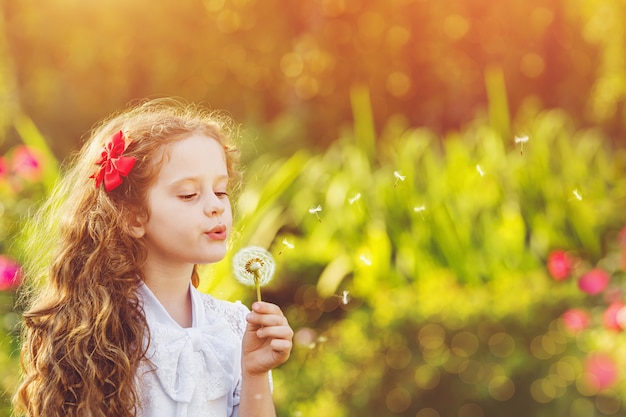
611, 316
594, 281
600, 371
559, 265
576, 319
26, 163
10, 273
4, 168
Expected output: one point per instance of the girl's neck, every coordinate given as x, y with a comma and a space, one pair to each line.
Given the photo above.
172, 289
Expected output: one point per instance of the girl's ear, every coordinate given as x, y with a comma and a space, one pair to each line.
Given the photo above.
137, 230
136, 225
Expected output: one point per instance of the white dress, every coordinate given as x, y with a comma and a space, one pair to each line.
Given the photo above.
195, 371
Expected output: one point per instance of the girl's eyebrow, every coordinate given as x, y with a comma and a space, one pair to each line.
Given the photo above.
183, 181
194, 180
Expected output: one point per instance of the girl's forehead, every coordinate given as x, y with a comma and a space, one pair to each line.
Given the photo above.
196, 155
192, 144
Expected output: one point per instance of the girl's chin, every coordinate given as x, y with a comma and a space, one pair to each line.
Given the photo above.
214, 256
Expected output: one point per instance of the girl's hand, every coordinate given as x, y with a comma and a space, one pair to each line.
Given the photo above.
267, 341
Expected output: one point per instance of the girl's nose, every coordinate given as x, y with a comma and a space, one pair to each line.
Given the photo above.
214, 206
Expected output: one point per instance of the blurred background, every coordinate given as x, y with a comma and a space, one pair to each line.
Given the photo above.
441, 183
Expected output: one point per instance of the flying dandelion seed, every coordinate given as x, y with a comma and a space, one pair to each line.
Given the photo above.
315, 210
365, 260
578, 196
354, 199
420, 209
288, 245
344, 297
521, 140
253, 266
319, 341
399, 177
480, 170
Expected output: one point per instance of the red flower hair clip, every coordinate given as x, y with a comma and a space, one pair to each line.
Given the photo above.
113, 166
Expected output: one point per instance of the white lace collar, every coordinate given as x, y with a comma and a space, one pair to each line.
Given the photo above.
189, 361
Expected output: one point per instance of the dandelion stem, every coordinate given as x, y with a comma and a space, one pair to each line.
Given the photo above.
257, 285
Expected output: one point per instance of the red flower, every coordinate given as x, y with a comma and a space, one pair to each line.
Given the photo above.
113, 166
10, 273
594, 281
559, 265
576, 319
611, 317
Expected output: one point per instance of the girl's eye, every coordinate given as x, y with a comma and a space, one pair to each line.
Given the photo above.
186, 197
221, 194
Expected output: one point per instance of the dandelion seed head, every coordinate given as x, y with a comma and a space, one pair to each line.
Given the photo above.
399, 176
480, 170
365, 260
253, 265
253, 261
315, 209
419, 209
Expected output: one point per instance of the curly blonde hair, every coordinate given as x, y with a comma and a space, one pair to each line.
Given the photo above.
84, 332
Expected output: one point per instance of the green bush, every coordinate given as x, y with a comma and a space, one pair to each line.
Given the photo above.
420, 287
442, 259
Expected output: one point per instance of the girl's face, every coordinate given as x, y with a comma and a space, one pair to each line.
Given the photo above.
190, 213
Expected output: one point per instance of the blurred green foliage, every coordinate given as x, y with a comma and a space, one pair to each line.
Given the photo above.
27, 171
420, 286
66, 63
410, 229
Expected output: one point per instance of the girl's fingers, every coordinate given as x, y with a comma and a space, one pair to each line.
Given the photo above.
282, 347
264, 307
272, 329
276, 332
269, 340
266, 320
266, 314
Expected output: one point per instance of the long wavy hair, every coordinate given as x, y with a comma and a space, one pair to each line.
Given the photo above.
84, 332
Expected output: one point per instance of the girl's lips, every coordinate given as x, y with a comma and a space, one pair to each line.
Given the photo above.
217, 233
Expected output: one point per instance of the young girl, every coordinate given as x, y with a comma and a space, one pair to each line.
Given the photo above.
115, 325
